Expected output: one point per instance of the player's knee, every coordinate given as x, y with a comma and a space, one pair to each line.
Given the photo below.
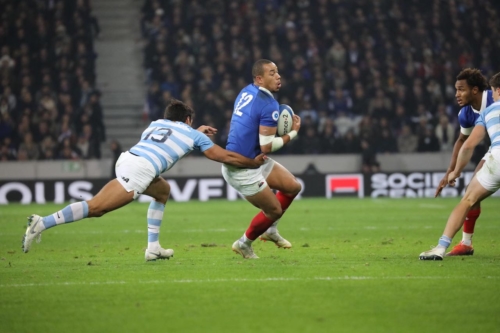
162, 199
294, 188
297, 187
161, 191
274, 213
477, 205
470, 201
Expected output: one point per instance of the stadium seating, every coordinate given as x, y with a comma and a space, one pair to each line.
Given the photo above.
366, 76
49, 108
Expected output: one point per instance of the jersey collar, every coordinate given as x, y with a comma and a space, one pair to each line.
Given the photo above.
266, 91
484, 101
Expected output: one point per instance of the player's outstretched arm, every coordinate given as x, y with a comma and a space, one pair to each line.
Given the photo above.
465, 153
456, 148
207, 130
268, 140
219, 154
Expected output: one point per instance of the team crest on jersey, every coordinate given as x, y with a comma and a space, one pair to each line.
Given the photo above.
275, 115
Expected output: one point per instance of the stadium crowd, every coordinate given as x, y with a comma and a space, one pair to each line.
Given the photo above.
49, 108
367, 76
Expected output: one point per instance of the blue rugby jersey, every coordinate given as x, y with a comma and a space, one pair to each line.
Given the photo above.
253, 107
165, 142
467, 115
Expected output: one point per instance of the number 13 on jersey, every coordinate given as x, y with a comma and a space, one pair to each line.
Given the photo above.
161, 134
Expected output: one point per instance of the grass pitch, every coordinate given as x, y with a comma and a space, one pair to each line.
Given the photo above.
353, 268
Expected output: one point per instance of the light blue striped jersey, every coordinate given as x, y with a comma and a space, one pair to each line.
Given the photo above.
165, 142
490, 118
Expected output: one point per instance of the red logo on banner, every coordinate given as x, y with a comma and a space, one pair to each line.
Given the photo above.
344, 184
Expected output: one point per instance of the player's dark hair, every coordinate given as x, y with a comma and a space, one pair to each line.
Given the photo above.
474, 78
178, 111
258, 67
495, 81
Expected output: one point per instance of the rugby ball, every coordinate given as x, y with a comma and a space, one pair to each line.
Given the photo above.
285, 120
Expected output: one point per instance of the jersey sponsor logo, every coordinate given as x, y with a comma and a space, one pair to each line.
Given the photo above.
351, 184
275, 115
244, 100
286, 123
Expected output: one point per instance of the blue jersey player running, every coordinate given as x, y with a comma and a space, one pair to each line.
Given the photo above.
253, 130
485, 182
473, 96
138, 171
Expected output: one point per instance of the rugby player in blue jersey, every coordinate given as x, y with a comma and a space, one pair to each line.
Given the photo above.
485, 182
473, 96
252, 131
138, 171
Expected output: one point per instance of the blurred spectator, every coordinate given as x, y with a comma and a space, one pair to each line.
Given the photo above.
7, 151
7, 126
47, 148
88, 143
407, 141
30, 147
385, 143
343, 123
427, 141
68, 151
445, 134
369, 163
350, 143
340, 102
380, 105
309, 142
330, 142
22, 155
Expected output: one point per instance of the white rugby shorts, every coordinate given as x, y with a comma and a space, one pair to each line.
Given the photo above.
135, 173
487, 155
489, 175
248, 182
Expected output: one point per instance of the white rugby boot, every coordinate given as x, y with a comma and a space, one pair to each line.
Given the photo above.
245, 250
159, 253
276, 239
33, 231
436, 253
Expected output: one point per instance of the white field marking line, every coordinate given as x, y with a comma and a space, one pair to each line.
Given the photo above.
318, 278
221, 230
432, 206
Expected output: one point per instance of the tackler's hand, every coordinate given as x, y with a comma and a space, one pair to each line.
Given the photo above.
208, 130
